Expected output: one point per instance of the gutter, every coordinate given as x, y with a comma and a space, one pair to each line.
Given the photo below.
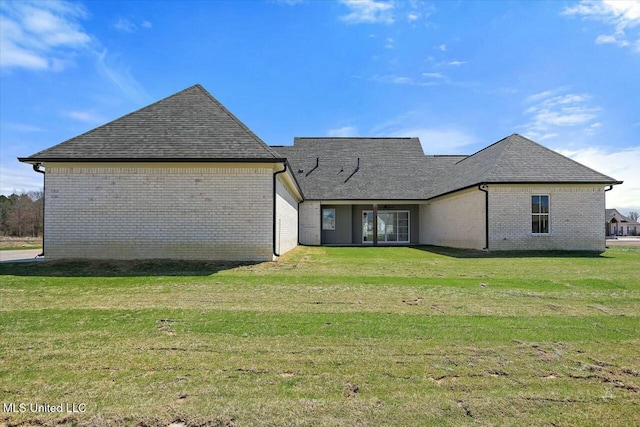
483, 188
151, 160
36, 167
275, 252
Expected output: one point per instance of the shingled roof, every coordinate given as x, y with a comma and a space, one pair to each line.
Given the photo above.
397, 168
516, 159
188, 126
365, 168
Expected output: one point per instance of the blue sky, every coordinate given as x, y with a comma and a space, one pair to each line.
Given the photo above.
458, 74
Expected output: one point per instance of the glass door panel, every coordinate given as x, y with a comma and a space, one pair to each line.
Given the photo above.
393, 226
367, 227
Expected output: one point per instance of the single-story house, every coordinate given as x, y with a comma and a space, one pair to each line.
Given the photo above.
183, 178
620, 225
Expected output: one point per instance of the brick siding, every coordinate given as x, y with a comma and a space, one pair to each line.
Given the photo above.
577, 213
456, 220
310, 223
198, 212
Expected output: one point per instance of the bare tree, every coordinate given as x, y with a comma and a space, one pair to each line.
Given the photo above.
22, 214
634, 216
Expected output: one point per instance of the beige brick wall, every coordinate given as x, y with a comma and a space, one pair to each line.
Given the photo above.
142, 211
576, 217
310, 223
286, 218
456, 220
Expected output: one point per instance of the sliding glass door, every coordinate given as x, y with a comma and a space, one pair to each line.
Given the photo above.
393, 227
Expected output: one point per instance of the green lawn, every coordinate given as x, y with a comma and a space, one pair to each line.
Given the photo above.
327, 337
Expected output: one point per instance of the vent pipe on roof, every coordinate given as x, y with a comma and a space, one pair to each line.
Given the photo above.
355, 171
315, 167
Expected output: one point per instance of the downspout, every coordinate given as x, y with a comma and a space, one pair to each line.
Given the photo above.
483, 188
275, 252
298, 212
36, 167
605, 208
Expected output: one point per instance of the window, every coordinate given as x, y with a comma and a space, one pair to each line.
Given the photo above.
540, 214
328, 219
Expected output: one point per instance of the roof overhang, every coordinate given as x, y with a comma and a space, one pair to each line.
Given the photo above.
33, 160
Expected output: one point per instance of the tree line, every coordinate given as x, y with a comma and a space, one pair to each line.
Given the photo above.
21, 214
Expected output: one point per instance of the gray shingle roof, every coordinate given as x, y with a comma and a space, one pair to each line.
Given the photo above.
389, 168
516, 159
188, 125
397, 168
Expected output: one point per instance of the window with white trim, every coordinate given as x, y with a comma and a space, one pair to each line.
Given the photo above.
540, 214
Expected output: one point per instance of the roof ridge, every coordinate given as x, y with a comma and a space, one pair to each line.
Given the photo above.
485, 148
235, 119
114, 120
509, 143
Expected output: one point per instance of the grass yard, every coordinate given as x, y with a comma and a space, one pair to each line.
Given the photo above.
326, 337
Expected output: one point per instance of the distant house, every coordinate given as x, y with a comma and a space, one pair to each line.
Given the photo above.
185, 179
620, 225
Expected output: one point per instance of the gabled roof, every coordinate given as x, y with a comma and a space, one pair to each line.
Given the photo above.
613, 213
188, 126
397, 168
365, 168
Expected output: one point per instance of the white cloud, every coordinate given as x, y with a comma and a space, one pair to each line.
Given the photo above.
40, 35
386, 11
403, 80
120, 76
621, 165
623, 16
442, 47
343, 131
389, 44
124, 25
434, 75
127, 26
609, 39
552, 110
289, 2
368, 11
439, 140
454, 63
47, 35
18, 177
21, 127
85, 116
